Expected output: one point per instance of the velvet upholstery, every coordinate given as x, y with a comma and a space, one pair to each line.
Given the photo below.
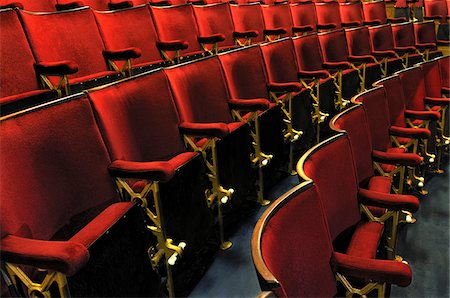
334, 46
355, 123
68, 28
445, 72
396, 100
304, 15
177, 23
425, 33
328, 14
432, 78
375, 13
215, 19
276, 17
94, 4
131, 27
16, 58
308, 52
337, 186
33, 5
413, 84
302, 266
351, 13
248, 17
365, 240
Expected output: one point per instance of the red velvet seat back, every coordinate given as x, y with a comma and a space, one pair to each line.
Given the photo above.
176, 23
351, 12
215, 19
358, 41
94, 4
337, 185
413, 84
68, 35
245, 73
54, 167
432, 78
334, 46
354, 122
295, 246
381, 37
374, 11
435, 8
200, 91
328, 13
277, 16
279, 59
135, 2
138, 119
248, 17
377, 111
34, 5
16, 59
395, 98
424, 32
308, 52
444, 62
403, 34
131, 27
304, 14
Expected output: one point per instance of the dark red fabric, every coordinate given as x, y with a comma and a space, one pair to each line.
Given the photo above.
56, 68
380, 184
444, 62
432, 77
358, 41
64, 163
94, 4
376, 107
304, 14
130, 28
33, 5
16, 59
279, 59
302, 268
308, 53
437, 101
393, 157
361, 59
177, 23
249, 105
322, 74
436, 9
102, 223
210, 39
403, 34
277, 16
365, 240
337, 186
66, 257
206, 130
413, 84
390, 201
200, 97
334, 46
173, 45
374, 11
355, 123
381, 37
415, 133
242, 69
152, 170
328, 13
424, 32
422, 115
248, 17
336, 65
396, 100
135, 113
351, 12
76, 35
215, 19
285, 87
393, 272
122, 54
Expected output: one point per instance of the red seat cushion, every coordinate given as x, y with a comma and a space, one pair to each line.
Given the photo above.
365, 240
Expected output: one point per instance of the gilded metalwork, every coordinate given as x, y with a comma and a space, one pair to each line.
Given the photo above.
362, 292
63, 83
126, 69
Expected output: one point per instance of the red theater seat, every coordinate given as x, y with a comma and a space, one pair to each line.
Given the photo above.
310, 266
328, 17
78, 58
244, 72
304, 17
68, 202
131, 28
375, 13
436, 10
277, 21
30, 5
178, 32
19, 85
215, 19
248, 17
351, 14
140, 125
425, 36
